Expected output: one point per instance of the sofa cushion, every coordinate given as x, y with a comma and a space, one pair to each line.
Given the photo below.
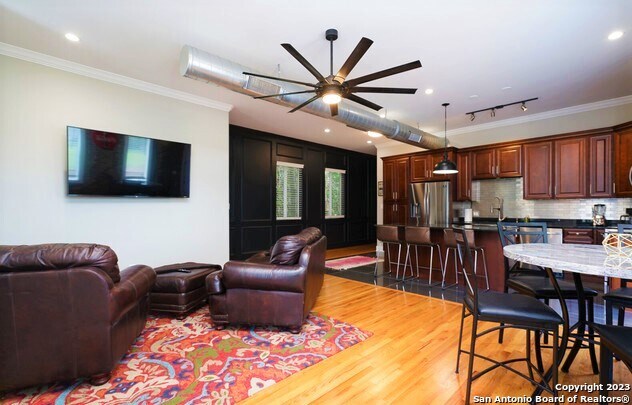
288, 249
59, 256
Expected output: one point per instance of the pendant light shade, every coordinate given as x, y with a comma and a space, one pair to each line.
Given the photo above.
445, 166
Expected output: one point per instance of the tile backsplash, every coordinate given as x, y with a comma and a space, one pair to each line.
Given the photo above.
510, 190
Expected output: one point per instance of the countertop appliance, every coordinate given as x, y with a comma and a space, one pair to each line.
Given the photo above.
627, 217
599, 214
431, 202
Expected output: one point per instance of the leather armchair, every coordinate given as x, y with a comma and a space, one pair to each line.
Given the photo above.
278, 287
67, 312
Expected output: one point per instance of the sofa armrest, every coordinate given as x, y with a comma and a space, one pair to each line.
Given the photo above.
258, 276
136, 282
214, 283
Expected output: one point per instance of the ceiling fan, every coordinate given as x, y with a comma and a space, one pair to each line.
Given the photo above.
333, 88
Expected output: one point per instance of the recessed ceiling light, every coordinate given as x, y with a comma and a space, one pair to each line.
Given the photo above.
615, 35
369, 141
373, 134
429, 91
71, 37
327, 130
506, 88
474, 96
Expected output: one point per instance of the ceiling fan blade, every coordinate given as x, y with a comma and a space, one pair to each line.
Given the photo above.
384, 73
298, 107
279, 79
334, 109
363, 101
353, 59
397, 90
286, 94
304, 62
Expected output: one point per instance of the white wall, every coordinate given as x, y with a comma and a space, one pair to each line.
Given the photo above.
36, 104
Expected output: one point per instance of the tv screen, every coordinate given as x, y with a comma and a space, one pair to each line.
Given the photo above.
107, 164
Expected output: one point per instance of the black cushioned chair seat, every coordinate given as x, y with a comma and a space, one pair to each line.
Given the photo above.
541, 287
620, 294
618, 339
514, 308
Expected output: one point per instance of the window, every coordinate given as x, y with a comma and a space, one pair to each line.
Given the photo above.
289, 191
334, 193
137, 159
75, 154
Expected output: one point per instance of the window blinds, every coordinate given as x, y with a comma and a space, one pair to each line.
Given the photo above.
289, 190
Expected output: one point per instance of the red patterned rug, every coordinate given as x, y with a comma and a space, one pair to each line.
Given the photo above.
189, 361
350, 262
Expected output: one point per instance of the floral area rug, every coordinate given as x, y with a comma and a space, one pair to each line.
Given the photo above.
189, 362
350, 262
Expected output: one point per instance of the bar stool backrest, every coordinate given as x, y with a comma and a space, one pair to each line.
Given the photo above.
624, 228
450, 241
387, 233
512, 233
418, 235
465, 254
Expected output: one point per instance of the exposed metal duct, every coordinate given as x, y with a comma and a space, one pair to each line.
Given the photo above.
200, 65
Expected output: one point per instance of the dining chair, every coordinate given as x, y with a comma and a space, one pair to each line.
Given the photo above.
507, 311
615, 340
419, 236
621, 298
448, 239
389, 236
534, 281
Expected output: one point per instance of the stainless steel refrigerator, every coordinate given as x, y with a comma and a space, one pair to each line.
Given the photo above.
431, 202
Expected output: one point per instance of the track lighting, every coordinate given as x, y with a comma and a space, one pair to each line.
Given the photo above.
492, 110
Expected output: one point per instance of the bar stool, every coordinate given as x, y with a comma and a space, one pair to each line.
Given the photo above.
388, 235
419, 236
450, 242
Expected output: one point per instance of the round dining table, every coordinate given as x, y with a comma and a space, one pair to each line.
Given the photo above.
578, 260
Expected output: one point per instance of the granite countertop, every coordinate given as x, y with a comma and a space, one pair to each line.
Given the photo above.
489, 224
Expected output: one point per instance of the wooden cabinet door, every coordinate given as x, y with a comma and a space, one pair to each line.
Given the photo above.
509, 161
538, 171
623, 162
401, 179
420, 169
578, 236
483, 164
395, 213
388, 216
600, 169
389, 180
401, 212
570, 168
464, 177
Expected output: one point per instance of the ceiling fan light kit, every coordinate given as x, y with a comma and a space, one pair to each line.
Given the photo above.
492, 110
333, 88
445, 166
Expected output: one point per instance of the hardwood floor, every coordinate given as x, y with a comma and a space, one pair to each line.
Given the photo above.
411, 356
350, 251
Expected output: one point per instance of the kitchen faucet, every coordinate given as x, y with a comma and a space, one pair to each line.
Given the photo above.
498, 208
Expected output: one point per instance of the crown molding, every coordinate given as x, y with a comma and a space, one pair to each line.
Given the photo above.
598, 105
103, 75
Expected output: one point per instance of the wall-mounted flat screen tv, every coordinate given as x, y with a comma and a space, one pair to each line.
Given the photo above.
107, 164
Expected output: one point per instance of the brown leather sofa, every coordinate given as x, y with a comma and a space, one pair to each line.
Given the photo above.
66, 312
278, 287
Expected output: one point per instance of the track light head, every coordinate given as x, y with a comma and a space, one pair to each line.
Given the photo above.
472, 117
523, 107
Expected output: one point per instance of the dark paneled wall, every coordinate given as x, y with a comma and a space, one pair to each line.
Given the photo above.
253, 157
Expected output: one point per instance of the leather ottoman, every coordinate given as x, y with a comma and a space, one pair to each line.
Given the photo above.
180, 288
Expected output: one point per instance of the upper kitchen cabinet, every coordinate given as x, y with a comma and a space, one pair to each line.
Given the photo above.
420, 168
623, 160
570, 168
600, 166
538, 169
497, 162
396, 178
464, 177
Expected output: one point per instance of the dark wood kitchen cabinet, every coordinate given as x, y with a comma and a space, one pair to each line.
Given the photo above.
570, 168
464, 177
579, 236
493, 163
600, 166
538, 171
623, 160
420, 168
396, 179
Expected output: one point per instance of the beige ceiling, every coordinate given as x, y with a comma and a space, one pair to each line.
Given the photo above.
555, 50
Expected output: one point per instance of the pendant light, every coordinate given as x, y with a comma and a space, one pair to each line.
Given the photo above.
446, 166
